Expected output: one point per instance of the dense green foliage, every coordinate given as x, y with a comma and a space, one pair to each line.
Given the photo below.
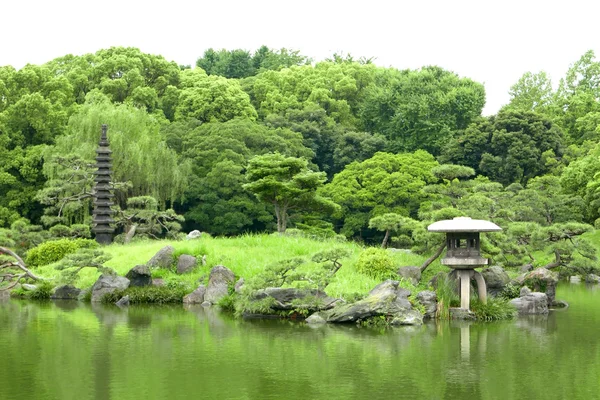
266, 140
376, 263
54, 250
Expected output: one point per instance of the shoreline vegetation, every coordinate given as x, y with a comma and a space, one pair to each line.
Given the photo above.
261, 260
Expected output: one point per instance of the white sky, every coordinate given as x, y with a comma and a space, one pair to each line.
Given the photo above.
493, 42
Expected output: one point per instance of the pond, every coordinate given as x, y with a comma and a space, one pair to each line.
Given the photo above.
79, 351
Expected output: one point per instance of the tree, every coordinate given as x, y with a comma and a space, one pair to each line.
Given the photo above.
388, 223
143, 218
212, 98
381, 184
219, 153
532, 92
10, 264
508, 147
287, 183
420, 109
140, 155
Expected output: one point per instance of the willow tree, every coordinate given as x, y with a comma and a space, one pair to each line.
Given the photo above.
140, 155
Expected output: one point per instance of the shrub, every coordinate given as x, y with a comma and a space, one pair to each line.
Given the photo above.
54, 250
496, 309
376, 263
149, 294
42, 292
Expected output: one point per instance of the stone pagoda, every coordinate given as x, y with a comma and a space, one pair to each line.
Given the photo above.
102, 192
463, 252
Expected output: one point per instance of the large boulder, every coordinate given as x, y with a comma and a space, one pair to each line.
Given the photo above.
542, 280
531, 302
196, 297
428, 299
66, 292
108, 284
496, 279
411, 274
185, 263
218, 283
293, 298
139, 276
162, 259
386, 299
592, 278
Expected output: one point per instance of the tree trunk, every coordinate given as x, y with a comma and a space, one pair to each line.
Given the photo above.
433, 257
385, 239
556, 262
130, 233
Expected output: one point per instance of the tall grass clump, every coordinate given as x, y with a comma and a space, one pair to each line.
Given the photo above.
447, 296
496, 309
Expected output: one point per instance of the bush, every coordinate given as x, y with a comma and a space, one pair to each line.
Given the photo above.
376, 263
496, 309
54, 250
42, 292
148, 295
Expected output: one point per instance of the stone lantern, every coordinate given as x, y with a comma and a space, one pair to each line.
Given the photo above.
463, 252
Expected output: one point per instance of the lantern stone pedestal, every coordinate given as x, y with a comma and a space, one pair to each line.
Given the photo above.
464, 253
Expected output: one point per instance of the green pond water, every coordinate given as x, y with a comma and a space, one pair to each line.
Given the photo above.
77, 351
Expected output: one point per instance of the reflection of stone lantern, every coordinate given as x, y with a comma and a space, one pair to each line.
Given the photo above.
463, 252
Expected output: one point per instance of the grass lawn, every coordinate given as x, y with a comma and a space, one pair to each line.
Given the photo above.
246, 256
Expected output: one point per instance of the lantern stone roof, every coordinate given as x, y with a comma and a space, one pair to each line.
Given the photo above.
463, 224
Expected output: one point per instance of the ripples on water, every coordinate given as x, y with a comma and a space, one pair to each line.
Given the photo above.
68, 350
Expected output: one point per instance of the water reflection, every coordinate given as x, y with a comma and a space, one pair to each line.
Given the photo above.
57, 349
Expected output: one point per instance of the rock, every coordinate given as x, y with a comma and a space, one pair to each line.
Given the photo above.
592, 278
108, 284
496, 279
29, 287
543, 280
316, 319
139, 276
412, 274
386, 299
84, 293
66, 292
218, 283
410, 317
461, 314
195, 234
429, 300
206, 304
196, 297
238, 285
185, 263
526, 268
525, 291
575, 279
292, 298
532, 303
158, 282
123, 301
560, 304
162, 259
